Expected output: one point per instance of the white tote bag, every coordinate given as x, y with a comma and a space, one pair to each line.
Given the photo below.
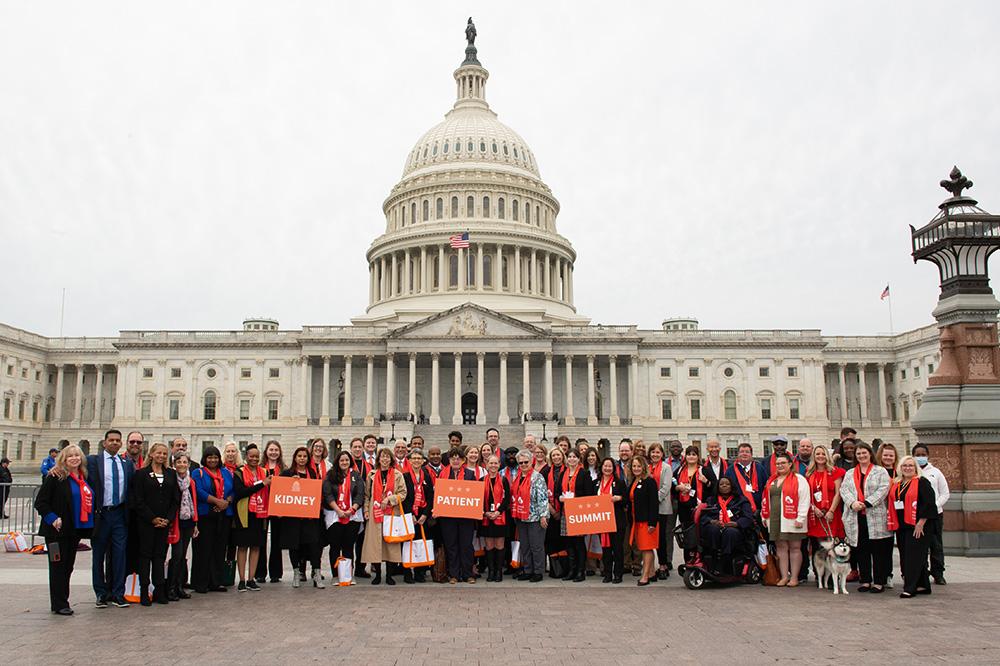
419, 552
397, 527
345, 572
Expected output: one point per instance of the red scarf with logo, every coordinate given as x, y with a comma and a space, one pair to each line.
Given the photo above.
907, 493
724, 515
821, 482
86, 497
552, 480
495, 492
522, 496
379, 491
687, 478
258, 501
789, 497
318, 468
569, 481
604, 488
344, 498
419, 501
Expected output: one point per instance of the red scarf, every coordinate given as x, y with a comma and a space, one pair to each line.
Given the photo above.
569, 481
344, 497
724, 515
859, 483
604, 488
379, 491
522, 495
231, 468
258, 501
908, 495
220, 483
789, 497
86, 497
138, 465
552, 480
772, 465
752, 481
685, 477
364, 468
494, 491
656, 471
821, 482
404, 465
319, 469
419, 501
446, 473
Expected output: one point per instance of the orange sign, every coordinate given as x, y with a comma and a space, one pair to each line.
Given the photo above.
295, 498
589, 515
458, 499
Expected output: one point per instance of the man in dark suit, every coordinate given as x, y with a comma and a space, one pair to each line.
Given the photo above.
109, 476
715, 467
748, 476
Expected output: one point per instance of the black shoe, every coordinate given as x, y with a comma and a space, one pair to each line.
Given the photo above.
616, 581
389, 580
61, 611
662, 574
376, 579
183, 595
606, 579
173, 596
218, 588
162, 599
302, 575
939, 580
591, 573
262, 579
923, 590
145, 601
276, 580
253, 586
537, 578
906, 595
580, 578
641, 584
408, 576
362, 574
876, 590
197, 591
120, 603
242, 587
101, 603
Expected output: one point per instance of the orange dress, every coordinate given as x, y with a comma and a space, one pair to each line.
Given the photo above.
641, 538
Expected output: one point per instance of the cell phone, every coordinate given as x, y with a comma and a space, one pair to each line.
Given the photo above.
55, 555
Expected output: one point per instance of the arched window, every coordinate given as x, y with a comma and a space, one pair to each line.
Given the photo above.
425, 209
471, 147
425, 152
486, 206
527, 213
454, 207
402, 210
210, 400
515, 152
453, 270
439, 208
436, 267
538, 216
501, 208
470, 206
458, 146
482, 146
487, 270
505, 152
729, 405
470, 269
445, 149
504, 282
413, 213
434, 152
494, 147
513, 209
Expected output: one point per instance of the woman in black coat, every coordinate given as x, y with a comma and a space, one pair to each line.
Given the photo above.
155, 499
613, 543
575, 483
343, 495
555, 543
645, 502
913, 534
66, 504
302, 537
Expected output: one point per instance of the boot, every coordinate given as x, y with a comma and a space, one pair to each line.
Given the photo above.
317, 579
376, 574
490, 566
408, 576
498, 566
297, 577
570, 566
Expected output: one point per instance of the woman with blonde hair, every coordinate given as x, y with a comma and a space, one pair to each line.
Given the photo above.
66, 505
888, 456
155, 499
645, 508
541, 458
912, 504
231, 458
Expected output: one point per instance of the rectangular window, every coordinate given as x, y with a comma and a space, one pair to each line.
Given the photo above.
175, 373
244, 410
666, 409
664, 372
906, 410
145, 409
244, 373
19, 451
10, 370
793, 408
6, 408
147, 373
793, 371
916, 371
48, 413
52, 378
732, 449
174, 409
692, 372
765, 408
24, 373
766, 443
764, 371
930, 368
695, 409
274, 373
34, 411
272, 409
902, 374
20, 409
38, 375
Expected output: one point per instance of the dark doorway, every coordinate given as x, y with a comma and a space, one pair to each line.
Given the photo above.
470, 408
340, 406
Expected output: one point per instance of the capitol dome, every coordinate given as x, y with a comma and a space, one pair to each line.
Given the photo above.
471, 221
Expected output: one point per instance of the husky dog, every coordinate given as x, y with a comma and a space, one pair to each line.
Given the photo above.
833, 561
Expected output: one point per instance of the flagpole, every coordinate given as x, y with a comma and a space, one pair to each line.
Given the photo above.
891, 330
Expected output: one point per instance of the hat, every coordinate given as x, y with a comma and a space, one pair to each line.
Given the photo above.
53, 450
4, 461
779, 440
511, 449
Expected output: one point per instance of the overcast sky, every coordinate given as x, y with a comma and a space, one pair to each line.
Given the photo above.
181, 165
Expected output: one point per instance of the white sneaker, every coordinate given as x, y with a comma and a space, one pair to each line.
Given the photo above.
888, 582
318, 580
295, 579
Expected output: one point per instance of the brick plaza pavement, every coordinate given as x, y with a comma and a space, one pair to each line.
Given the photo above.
552, 622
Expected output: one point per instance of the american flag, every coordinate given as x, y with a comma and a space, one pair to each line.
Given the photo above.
459, 241
885, 292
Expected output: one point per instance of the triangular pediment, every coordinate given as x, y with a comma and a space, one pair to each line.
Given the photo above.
469, 321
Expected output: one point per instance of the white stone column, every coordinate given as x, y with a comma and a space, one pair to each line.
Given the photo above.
435, 388
526, 378
633, 387
498, 269
324, 408
412, 393
591, 397
547, 290
570, 419
517, 269
423, 270
99, 389
348, 371
780, 372
394, 272
60, 386
385, 278
372, 281
884, 405
407, 282
569, 278
456, 417
370, 391
261, 400
78, 404
390, 383
864, 394
504, 417
479, 267
303, 404
841, 374
480, 381
613, 387
547, 389
533, 272
442, 283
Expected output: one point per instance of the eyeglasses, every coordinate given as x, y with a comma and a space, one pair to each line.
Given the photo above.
135, 441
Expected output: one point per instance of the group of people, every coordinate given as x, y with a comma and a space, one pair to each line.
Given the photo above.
142, 511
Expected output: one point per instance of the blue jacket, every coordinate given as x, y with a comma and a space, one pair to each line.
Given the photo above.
47, 465
95, 477
205, 486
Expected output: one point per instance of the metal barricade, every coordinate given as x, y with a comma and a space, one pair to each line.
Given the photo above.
18, 510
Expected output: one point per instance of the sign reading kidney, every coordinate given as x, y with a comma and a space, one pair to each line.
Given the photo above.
458, 499
589, 515
293, 497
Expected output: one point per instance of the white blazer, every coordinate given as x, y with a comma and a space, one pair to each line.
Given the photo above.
788, 524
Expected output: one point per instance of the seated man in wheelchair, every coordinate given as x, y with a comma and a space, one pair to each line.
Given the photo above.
727, 527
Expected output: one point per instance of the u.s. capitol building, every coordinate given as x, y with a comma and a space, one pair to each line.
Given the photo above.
471, 337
